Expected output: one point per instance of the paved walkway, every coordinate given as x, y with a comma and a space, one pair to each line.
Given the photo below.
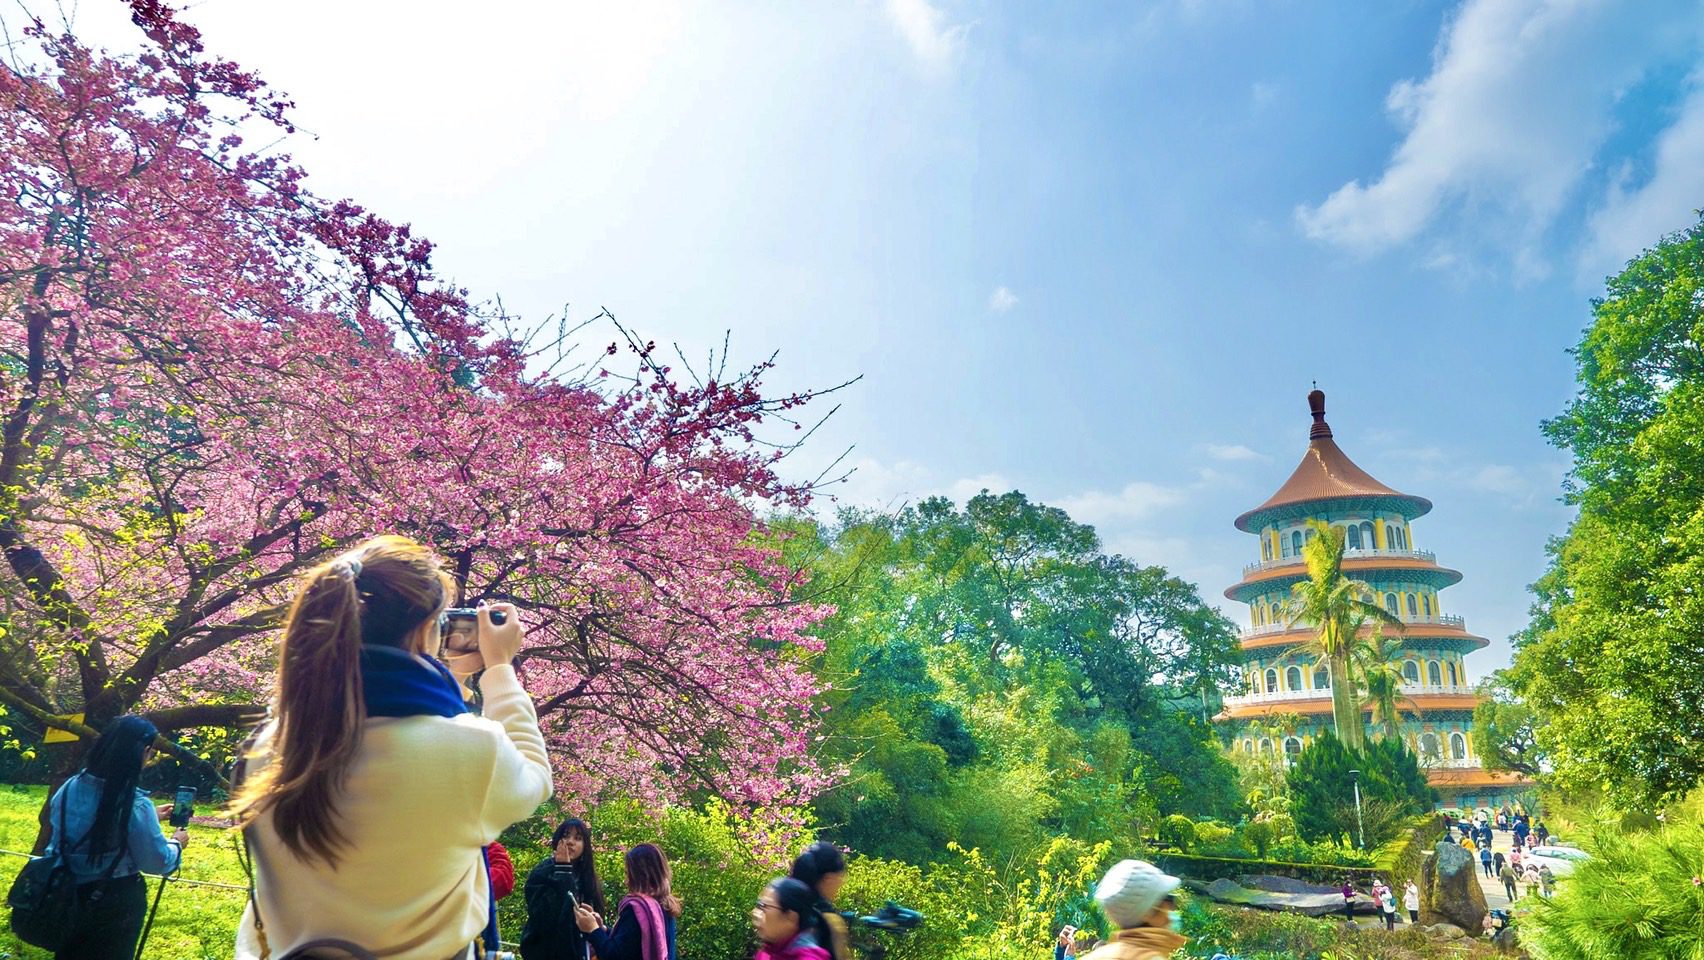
1502, 841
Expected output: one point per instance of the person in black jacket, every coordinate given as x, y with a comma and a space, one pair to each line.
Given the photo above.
822, 867
551, 933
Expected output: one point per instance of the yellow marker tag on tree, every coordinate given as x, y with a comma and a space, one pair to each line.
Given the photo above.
56, 735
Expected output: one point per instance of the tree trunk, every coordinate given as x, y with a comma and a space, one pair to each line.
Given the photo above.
1345, 711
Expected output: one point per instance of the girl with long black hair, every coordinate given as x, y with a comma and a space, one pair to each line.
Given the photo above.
107, 831
565, 879
822, 868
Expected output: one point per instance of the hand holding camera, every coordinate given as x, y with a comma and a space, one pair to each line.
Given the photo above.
478, 637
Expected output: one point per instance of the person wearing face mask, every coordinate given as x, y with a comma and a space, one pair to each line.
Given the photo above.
1137, 897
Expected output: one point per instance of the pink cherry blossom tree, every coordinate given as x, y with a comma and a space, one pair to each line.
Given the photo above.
211, 379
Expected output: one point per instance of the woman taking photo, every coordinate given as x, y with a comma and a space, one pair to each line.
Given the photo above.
645, 928
107, 831
822, 867
563, 881
785, 920
369, 794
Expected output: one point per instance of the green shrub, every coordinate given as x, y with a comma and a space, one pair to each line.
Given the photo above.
1178, 831
1209, 834
1392, 788
1639, 896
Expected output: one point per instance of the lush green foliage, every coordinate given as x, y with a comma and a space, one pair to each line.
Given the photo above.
1337, 607
1609, 661
999, 681
1322, 798
1640, 897
1505, 730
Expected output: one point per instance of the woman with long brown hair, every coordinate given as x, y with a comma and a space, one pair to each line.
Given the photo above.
369, 794
645, 925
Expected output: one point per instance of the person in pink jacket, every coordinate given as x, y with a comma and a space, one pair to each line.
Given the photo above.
784, 919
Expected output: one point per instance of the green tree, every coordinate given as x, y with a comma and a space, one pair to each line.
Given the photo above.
1505, 730
1378, 671
1609, 661
1336, 607
1322, 791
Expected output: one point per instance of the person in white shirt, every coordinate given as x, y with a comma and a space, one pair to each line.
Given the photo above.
369, 794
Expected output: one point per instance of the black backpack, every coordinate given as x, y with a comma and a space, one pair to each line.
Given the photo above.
44, 897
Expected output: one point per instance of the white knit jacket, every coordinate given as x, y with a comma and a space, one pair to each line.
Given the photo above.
423, 796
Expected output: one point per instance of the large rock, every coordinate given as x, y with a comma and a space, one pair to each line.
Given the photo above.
1449, 887
1317, 902
1443, 931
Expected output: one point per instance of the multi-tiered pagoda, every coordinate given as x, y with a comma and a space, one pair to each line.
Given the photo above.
1283, 678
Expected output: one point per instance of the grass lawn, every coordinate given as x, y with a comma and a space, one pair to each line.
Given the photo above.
194, 923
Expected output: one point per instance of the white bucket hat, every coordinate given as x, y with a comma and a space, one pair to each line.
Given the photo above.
1131, 890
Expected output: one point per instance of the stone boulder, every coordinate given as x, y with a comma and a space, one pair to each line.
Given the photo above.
1443, 931
1449, 887
1306, 899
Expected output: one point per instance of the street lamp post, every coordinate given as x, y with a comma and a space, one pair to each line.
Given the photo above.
1360, 827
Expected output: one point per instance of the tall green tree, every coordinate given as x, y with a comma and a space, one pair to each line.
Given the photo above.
1336, 607
1378, 672
1505, 730
1609, 662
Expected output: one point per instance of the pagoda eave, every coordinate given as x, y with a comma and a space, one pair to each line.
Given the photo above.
1284, 574
1455, 778
1413, 631
1408, 505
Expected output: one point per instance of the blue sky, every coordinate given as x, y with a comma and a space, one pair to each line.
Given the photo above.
1098, 253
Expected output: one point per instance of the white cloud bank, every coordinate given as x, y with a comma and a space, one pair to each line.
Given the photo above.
1002, 300
936, 43
1518, 105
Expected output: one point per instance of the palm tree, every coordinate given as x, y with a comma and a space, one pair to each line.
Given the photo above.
1378, 662
1336, 607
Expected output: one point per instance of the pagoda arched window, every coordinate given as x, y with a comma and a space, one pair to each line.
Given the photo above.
1292, 749
1429, 746
1367, 534
1426, 604
1293, 677
1265, 549
1265, 745
1458, 747
1433, 674
1390, 604
1413, 608
1277, 614
1451, 671
1390, 537
1296, 542
1310, 535
1410, 671
1248, 746
1354, 538
1322, 679
1271, 681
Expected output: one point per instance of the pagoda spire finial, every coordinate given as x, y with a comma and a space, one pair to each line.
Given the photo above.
1316, 403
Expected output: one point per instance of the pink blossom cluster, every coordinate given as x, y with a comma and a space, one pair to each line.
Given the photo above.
213, 379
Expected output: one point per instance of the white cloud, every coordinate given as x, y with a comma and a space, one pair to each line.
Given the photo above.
1630, 220
1137, 500
1002, 300
1234, 452
1261, 93
936, 43
1518, 103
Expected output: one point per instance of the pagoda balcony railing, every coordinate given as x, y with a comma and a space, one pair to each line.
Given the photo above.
1441, 619
1450, 763
1324, 693
1425, 555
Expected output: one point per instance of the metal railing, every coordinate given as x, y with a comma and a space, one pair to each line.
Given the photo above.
1426, 555
1324, 693
1440, 619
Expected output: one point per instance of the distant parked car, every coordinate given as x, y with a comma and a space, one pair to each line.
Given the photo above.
1561, 860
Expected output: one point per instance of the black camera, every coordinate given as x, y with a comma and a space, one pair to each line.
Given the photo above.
460, 627
891, 918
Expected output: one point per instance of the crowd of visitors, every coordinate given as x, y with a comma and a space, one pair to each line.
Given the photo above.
350, 851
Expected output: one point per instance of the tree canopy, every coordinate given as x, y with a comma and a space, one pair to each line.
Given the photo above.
1609, 661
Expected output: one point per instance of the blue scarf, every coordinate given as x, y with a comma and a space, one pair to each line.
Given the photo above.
395, 683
